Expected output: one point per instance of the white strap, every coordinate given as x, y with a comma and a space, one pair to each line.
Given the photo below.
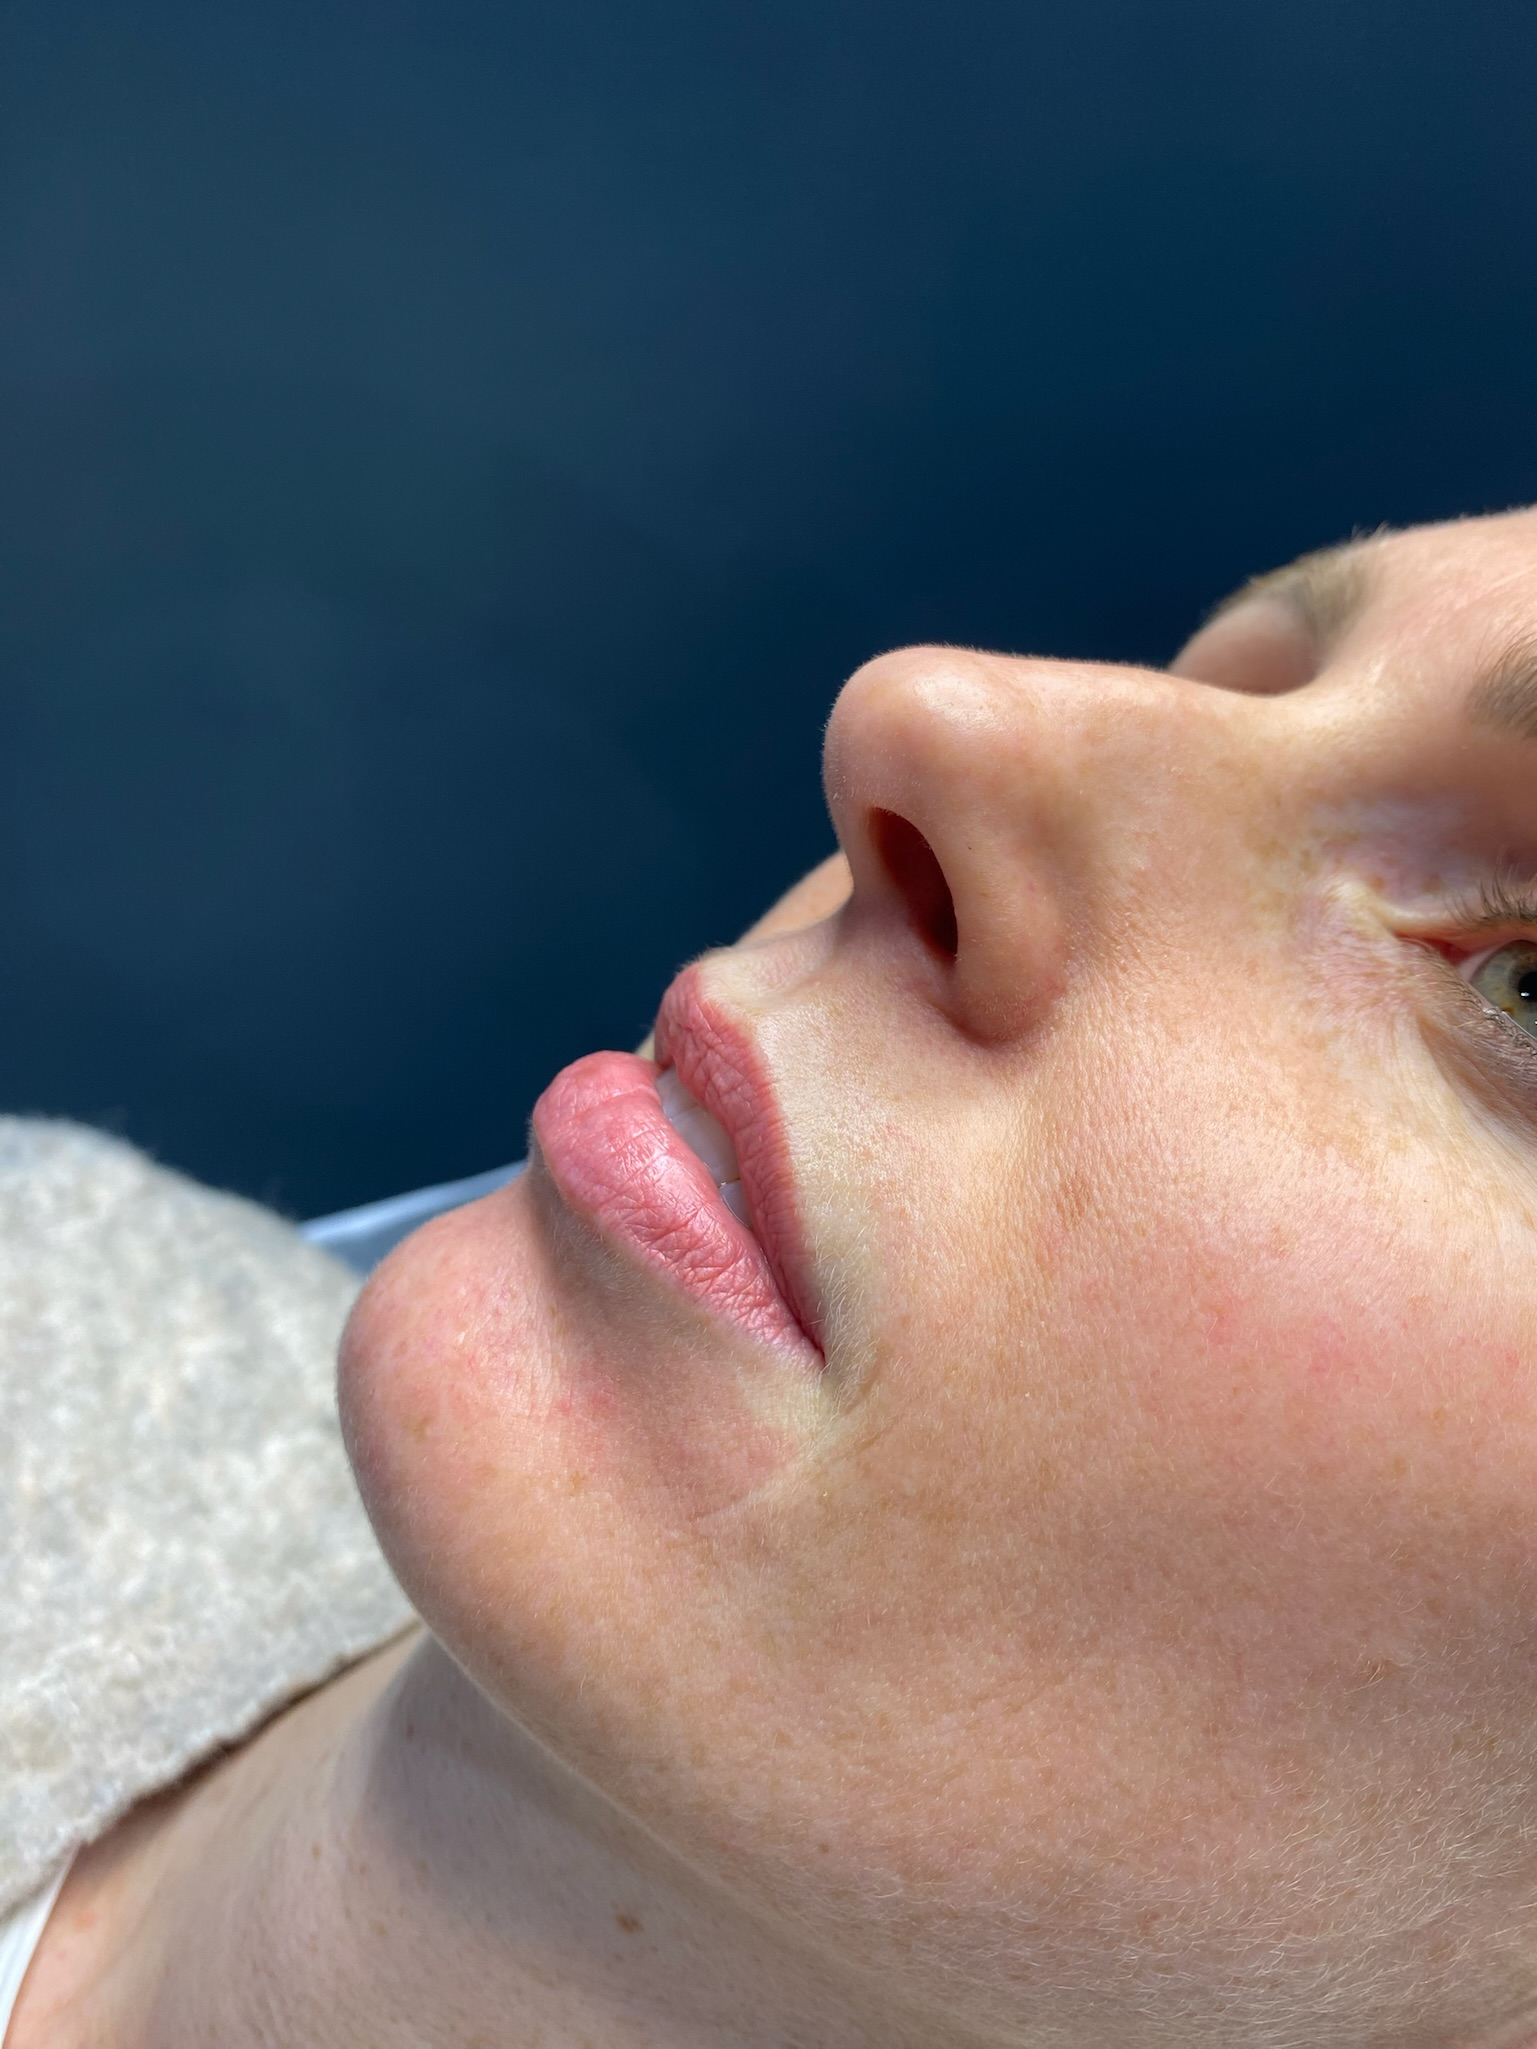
20, 1933
361, 1237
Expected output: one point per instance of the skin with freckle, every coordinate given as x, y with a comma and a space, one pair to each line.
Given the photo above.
1085, 1599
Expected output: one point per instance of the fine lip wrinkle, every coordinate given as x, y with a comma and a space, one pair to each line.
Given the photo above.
617, 1163
719, 1064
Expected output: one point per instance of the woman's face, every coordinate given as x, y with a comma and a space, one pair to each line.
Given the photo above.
1081, 1555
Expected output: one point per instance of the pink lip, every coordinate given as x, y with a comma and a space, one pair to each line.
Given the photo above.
619, 1164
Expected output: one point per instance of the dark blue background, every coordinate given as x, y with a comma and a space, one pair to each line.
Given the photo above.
452, 452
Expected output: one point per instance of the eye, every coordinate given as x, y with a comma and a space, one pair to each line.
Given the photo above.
1507, 978
1260, 648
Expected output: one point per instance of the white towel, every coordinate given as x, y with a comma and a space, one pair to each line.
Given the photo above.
182, 1549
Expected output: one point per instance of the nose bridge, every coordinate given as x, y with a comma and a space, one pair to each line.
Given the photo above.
1032, 783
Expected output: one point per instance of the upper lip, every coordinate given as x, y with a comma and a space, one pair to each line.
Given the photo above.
719, 1062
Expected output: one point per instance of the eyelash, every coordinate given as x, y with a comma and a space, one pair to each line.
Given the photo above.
1493, 907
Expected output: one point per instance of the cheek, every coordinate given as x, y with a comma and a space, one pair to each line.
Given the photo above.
1305, 1385
1170, 1479
1195, 1366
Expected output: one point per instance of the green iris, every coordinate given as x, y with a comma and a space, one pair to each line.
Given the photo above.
1508, 980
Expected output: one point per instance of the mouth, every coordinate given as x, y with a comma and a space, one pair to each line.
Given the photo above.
683, 1162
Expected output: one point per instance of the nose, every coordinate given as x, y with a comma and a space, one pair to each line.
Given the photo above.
982, 801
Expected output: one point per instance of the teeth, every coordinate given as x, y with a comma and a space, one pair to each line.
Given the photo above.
706, 1136
697, 1128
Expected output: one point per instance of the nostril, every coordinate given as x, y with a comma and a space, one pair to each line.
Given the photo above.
914, 868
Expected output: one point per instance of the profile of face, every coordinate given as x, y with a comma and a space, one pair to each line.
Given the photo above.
1059, 1532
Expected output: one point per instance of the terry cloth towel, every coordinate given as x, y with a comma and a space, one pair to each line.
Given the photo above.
182, 1549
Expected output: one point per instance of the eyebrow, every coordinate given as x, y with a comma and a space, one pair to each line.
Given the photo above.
1504, 693
1325, 589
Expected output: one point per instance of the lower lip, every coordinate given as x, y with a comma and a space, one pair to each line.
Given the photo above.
620, 1166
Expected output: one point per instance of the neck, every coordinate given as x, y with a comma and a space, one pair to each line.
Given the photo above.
394, 1862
